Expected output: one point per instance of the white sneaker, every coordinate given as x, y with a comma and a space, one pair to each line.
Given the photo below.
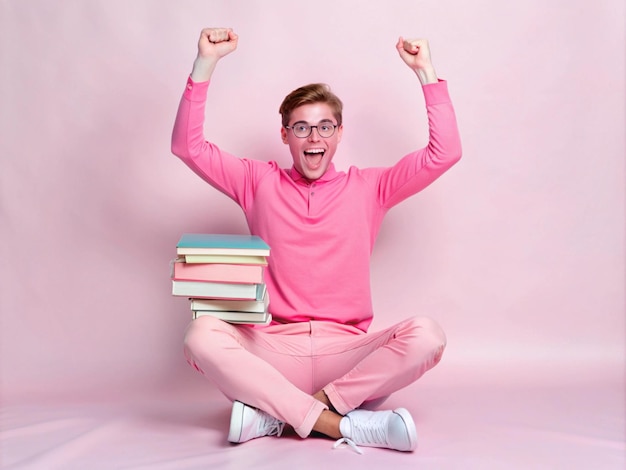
248, 423
390, 429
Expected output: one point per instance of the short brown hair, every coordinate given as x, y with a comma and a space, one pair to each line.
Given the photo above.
309, 94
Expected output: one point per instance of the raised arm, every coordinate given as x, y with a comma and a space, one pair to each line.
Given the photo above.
188, 141
229, 174
420, 168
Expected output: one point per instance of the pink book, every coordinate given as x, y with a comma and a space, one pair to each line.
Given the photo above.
235, 273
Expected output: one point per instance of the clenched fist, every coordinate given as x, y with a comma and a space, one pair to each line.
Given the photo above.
214, 43
416, 54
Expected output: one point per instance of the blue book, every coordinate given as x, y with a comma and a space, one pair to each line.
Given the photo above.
221, 244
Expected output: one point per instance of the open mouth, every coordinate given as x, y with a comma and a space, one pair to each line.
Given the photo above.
314, 157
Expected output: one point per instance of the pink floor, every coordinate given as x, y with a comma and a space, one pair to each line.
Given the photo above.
555, 417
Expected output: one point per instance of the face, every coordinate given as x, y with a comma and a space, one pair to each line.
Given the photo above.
312, 155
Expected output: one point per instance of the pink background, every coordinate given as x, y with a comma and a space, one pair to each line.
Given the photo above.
518, 251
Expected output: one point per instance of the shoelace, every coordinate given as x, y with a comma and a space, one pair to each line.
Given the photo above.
270, 426
350, 442
370, 431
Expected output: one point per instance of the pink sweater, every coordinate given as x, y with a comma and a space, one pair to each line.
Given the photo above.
321, 234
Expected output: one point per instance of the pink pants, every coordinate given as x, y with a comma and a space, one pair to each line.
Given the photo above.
278, 368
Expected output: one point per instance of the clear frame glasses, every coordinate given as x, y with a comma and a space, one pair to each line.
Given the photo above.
302, 130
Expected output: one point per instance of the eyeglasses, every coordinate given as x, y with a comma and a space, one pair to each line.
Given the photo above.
302, 130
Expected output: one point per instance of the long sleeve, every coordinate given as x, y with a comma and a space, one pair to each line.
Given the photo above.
322, 233
233, 176
419, 169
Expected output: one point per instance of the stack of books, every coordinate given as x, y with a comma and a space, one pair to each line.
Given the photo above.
223, 276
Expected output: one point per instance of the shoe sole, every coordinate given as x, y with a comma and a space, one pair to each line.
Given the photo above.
236, 422
410, 426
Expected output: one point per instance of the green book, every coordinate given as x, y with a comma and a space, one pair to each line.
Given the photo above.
221, 244
226, 259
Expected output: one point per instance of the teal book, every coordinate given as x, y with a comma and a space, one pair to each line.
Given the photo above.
221, 244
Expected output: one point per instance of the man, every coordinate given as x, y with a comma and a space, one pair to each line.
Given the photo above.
316, 367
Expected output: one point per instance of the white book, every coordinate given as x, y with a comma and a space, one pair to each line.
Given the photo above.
232, 305
263, 318
217, 290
